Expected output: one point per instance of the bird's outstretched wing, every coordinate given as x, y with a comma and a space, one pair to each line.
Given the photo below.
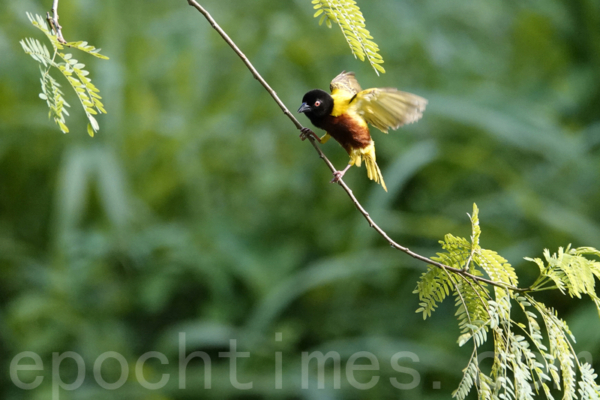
389, 108
346, 81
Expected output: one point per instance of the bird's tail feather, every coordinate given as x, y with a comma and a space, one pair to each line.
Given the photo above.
373, 171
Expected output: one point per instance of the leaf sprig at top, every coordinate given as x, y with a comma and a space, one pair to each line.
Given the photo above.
516, 373
352, 23
74, 71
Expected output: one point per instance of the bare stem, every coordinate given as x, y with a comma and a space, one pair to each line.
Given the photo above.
53, 21
360, 208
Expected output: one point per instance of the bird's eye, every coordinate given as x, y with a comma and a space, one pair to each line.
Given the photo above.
317, 103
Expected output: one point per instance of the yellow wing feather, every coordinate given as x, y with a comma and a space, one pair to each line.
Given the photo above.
389, 108
345, 81
383, 108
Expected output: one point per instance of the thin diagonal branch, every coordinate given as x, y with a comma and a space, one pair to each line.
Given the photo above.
357, 204
53, 21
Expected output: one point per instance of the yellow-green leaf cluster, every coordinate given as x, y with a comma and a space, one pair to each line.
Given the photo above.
74, 71
517, 371
352, 23
569, 271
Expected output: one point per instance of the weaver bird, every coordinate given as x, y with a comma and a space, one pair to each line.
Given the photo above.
345, 113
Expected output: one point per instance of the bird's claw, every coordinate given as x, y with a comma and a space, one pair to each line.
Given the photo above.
305, 133
337, 175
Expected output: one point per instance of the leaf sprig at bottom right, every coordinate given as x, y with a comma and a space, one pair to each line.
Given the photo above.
517, 372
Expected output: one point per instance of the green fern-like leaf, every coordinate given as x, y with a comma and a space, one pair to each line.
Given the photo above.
503, 385
37, 51
497, 267
352, 23
588, 388
72, 70
475, 228
522, 362
541, 370
499, 270
54, 98
432, 288
569, 271
88, 48
39, 22
84, 88
472, 313
560, 349
486, 386
470, 375
458, 251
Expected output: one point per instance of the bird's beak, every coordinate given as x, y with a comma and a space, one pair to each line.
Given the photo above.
304, 108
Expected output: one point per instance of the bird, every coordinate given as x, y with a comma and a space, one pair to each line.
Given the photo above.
346, 113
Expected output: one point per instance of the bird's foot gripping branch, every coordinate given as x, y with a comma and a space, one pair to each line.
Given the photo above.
306, 132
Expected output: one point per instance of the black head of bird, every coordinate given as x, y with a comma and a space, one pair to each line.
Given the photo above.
316, 104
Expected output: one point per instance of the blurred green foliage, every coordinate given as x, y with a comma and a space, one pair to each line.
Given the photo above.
197, 209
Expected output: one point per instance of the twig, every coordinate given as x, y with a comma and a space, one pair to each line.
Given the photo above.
360, 208
53, 21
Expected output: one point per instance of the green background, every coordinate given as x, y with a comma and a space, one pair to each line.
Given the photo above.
197, 209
